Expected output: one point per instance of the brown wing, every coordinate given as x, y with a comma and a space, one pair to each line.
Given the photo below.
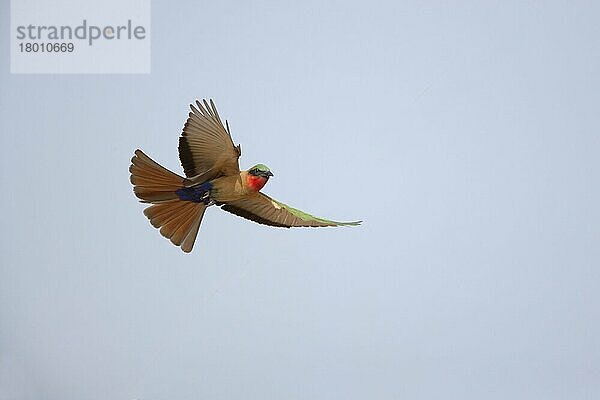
261, 208
205, 146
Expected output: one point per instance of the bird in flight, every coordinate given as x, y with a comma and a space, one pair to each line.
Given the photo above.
212, 177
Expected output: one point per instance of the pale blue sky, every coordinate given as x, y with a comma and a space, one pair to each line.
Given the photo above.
465, 134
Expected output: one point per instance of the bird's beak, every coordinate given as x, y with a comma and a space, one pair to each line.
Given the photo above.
269, 174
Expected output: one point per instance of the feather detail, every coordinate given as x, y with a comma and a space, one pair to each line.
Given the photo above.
178, 219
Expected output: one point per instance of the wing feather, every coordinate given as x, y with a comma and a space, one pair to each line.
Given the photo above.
265, 210
205, 146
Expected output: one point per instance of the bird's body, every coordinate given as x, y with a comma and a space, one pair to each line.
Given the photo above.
210, 161
232, 188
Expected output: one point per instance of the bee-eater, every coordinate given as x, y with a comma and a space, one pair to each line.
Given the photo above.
210, 162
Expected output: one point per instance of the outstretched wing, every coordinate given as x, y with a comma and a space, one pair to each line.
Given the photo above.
259, 207
205, 146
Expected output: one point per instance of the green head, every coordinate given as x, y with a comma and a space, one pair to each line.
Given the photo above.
260, 170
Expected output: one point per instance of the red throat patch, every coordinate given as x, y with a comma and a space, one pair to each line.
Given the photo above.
256, 183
